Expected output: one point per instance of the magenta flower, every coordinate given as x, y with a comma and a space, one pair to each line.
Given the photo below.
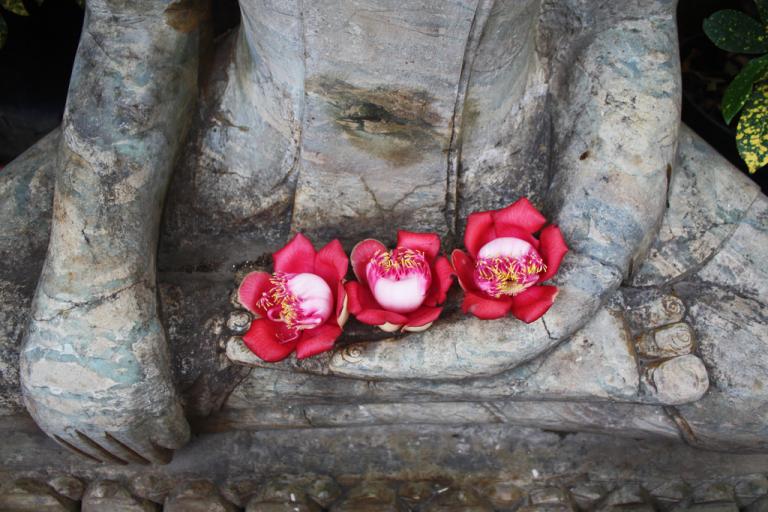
302, 306
400, 289
506, 264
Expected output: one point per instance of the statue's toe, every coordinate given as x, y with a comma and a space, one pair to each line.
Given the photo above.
151, 441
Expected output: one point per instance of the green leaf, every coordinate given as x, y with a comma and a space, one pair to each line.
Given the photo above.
3, 31
752, 130
738, 91
762, 9
734, 31
15, 6
81, 3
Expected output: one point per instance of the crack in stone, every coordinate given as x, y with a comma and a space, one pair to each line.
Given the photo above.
391, 209
92, 302
686, 432
549, 334
696, 268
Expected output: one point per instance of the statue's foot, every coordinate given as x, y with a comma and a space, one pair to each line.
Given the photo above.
95, 374
95, 369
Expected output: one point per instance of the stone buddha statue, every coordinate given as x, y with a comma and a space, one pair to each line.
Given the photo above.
183, 161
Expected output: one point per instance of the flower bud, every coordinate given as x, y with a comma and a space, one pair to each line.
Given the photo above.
400, 279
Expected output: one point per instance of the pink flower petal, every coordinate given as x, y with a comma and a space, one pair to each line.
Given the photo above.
465, 269
334, 256
316, 341
484, 307
401, 295
531, 304
261, 338
428, 243
553, 250
479, 231
423, 316
252, 288
442, 279
359, 297
296, 257
504, 230
521, 213
315, 298
342, 307
361, 254
380, 317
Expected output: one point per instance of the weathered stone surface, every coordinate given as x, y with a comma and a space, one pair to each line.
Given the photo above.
284, 57
712, 507
713, 492
110, 495
705, 207
151, 486
238, 322
369, 495
741, 262
609, 185
650, 309
235, 186
95, 309
751, 487
546, 507
458, 500
13, 319
25, 209
638, 421
282, 493
68, 486
732, 333
197, 496
461, 346
760, 505
618, 419
627, 494
597, 363
27, 495
322, 489
26, 188
674, 491
194, 309
630, 507
502, 144
549, 496
677, 381
264, 506
586, 495
359, 130
527, 458
416, 491
669, 341
501, 493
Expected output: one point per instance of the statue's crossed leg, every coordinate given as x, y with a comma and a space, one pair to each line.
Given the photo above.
95, 367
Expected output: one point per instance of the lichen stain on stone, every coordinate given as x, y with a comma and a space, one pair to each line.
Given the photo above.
186, 15
398, 125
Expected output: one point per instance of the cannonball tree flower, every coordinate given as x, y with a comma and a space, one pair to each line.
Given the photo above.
505, 263
302, 306
401, 289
